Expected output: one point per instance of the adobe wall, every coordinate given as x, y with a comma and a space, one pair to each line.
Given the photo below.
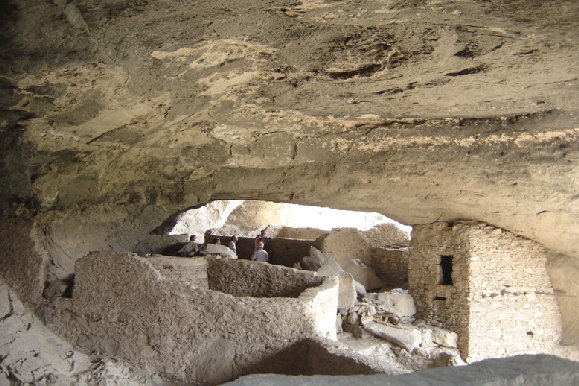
281, 251
300, 233
190, 271
513, 309
287, 252
500, 303
445, 304
255, 279
125, 307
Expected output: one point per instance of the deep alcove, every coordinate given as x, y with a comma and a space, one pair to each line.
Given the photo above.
457, 118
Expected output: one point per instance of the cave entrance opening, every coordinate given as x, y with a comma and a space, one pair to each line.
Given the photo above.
248, 217
371, 246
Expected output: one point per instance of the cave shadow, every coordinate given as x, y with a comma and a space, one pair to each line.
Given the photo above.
310, 357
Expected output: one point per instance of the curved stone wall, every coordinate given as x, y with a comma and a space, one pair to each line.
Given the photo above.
159, 315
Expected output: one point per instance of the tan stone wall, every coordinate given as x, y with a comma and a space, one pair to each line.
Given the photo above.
255, 279
512, 306
501, 301
429, 243
124, 306
352, 251
564, 272
288, 251
300, 233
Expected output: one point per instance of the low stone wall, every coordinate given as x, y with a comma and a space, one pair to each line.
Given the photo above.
124, 306
300, 233
288, 251
281, 251
190, 271
255, 279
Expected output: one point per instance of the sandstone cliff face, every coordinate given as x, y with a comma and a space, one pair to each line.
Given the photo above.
423, 111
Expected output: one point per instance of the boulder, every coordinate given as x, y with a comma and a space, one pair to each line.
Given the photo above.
314, 261
399, 303
317, 255
360, 290
361, 273
346, 289
444, 337
406, 337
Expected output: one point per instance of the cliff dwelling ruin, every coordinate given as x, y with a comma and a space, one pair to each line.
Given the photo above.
129, 125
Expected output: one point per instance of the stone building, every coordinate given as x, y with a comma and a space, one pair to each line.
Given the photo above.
486, 284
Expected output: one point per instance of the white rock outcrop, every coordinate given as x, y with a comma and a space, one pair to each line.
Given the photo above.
406, 337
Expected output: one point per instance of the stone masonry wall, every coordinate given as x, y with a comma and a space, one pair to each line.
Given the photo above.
281, 251
287, 252
512, 306
300, 233
251, 278
124, 307
437, 303
500, 302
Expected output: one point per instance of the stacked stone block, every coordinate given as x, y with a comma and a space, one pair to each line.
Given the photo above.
500, 301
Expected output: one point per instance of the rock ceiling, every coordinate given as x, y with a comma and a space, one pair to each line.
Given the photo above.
118, 113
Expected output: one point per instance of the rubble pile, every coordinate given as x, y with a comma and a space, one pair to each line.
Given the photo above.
385, 323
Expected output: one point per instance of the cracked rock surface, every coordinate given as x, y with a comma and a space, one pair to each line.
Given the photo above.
422, 111
32, 354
